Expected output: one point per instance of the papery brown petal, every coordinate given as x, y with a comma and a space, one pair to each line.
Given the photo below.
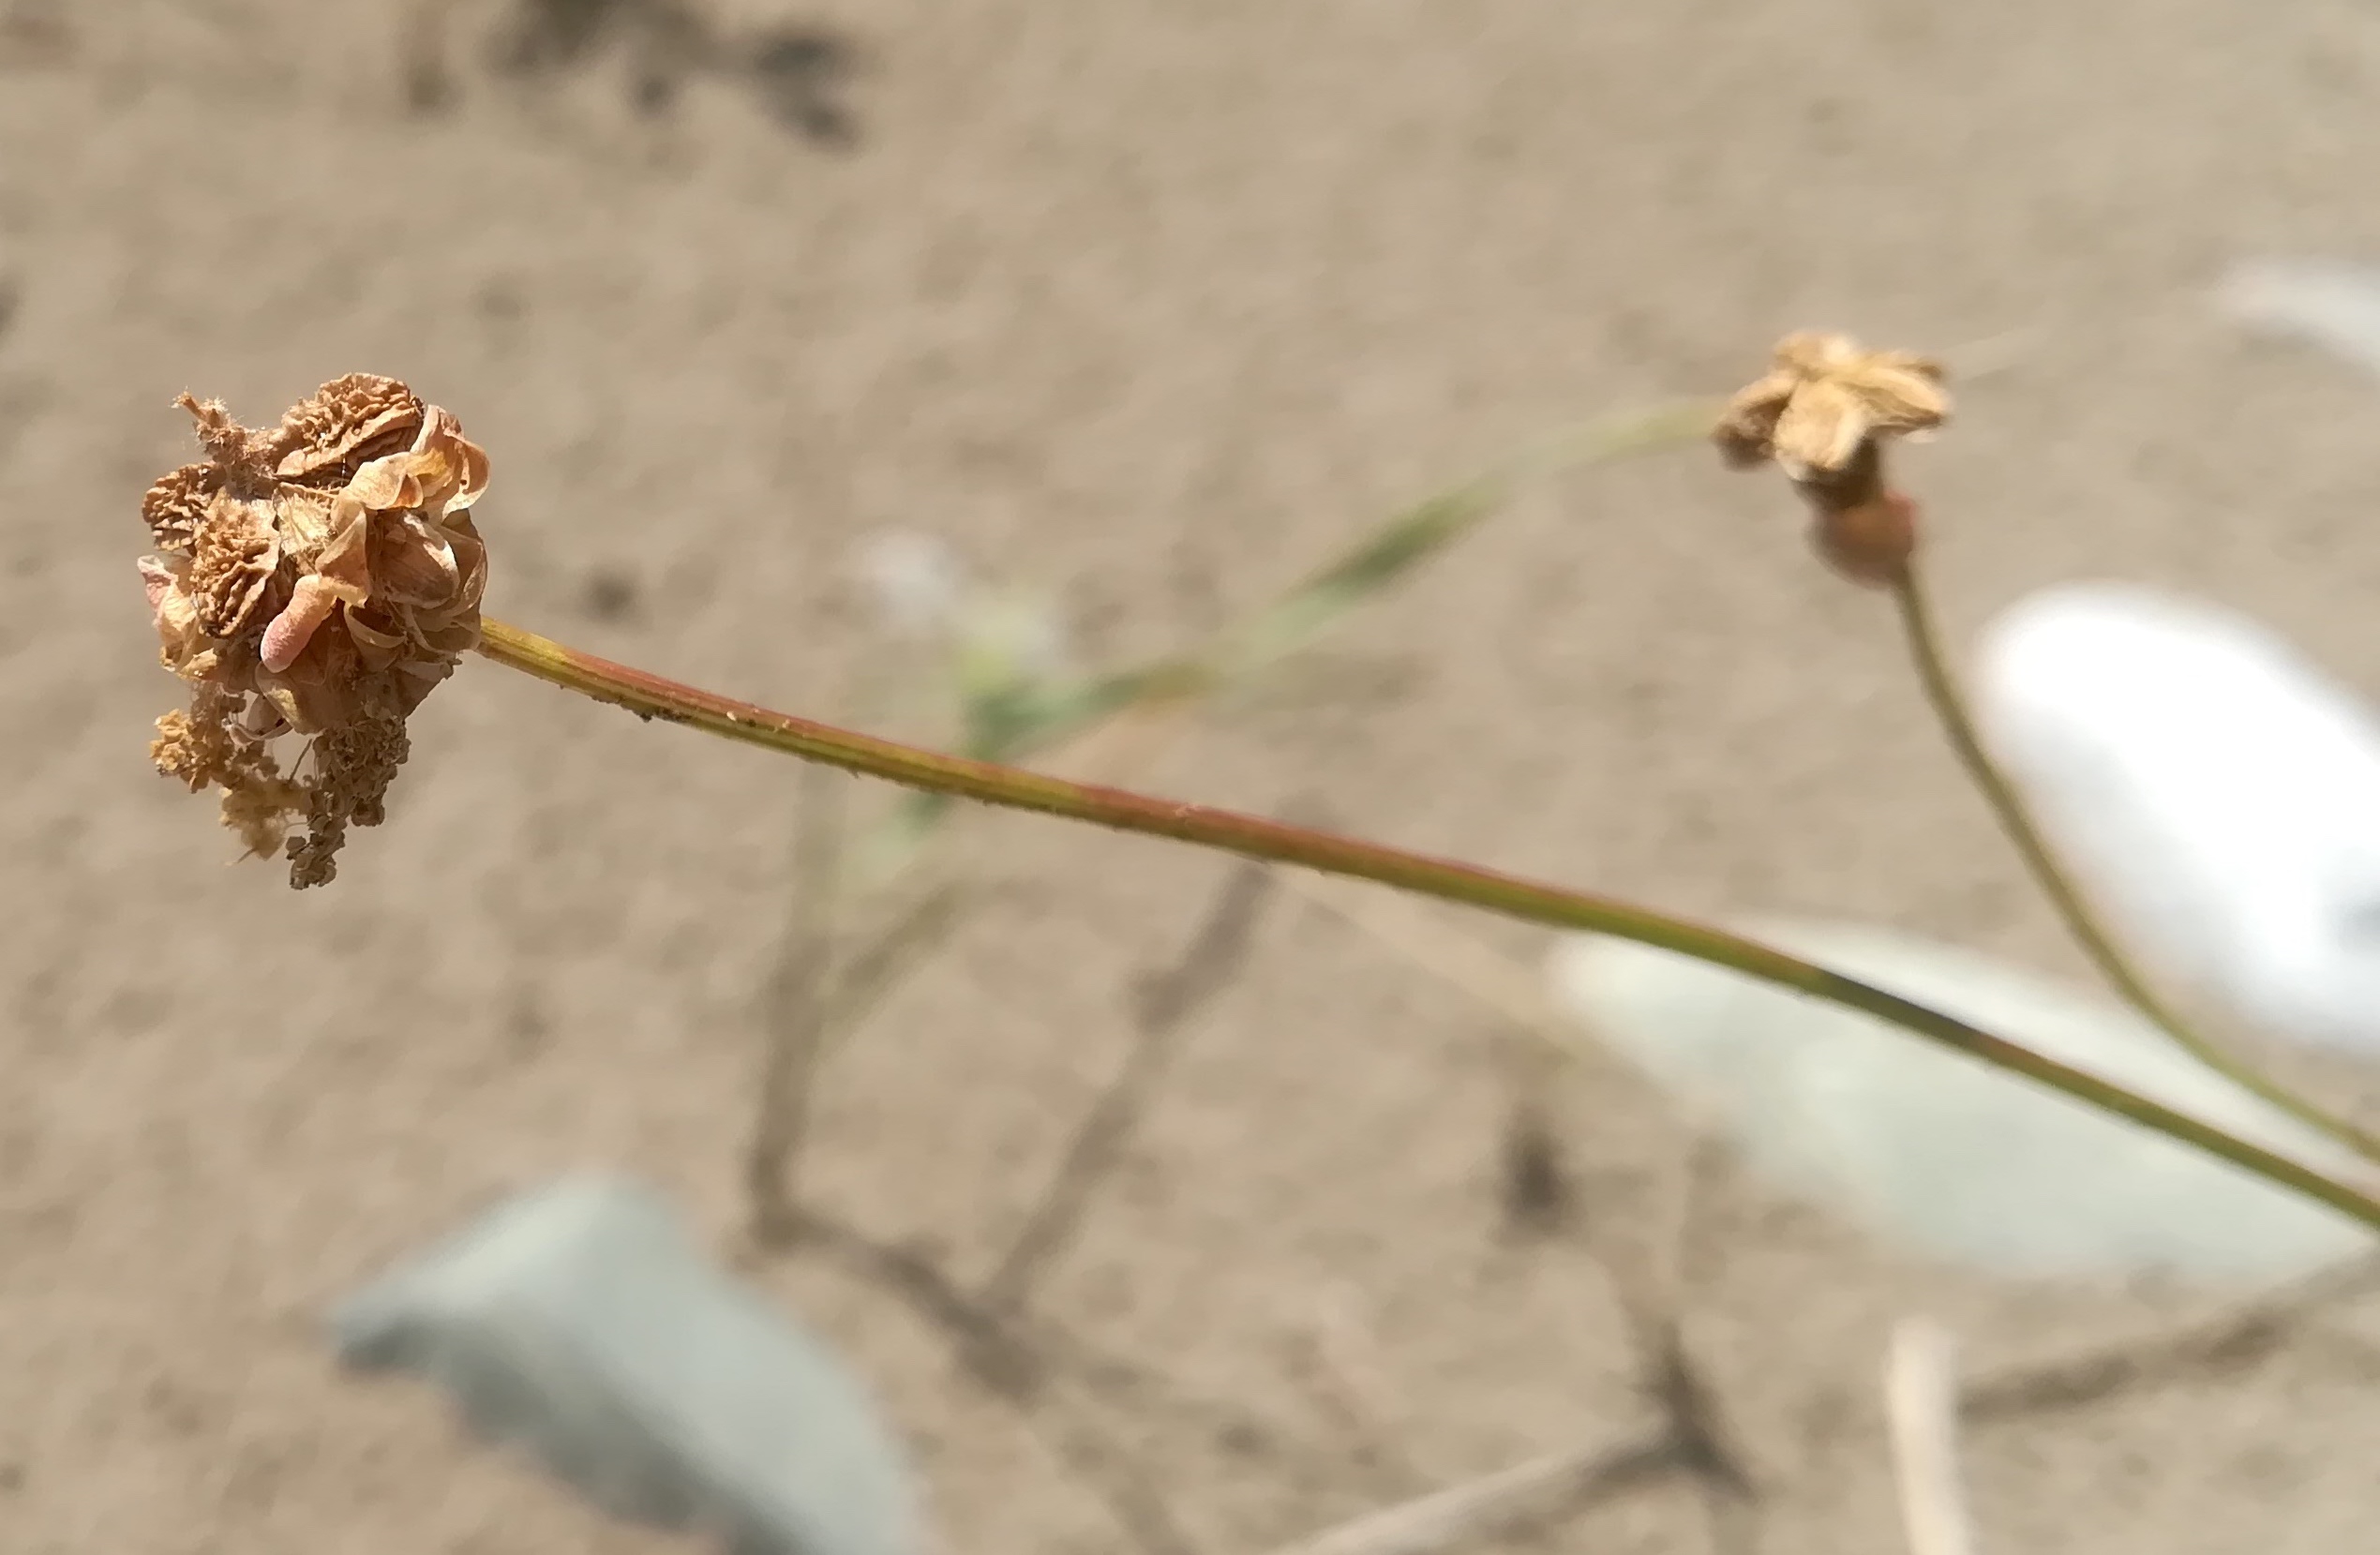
176, 617
345, 563
306, 519
333, 424
470, 556
1748, 426
386, 483
461, 637
1822, 426
158, 579
475, 478
378, 647
442, 479
1901, 399
412, 564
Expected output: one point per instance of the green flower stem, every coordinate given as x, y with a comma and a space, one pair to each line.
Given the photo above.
2008, 804
1248, 836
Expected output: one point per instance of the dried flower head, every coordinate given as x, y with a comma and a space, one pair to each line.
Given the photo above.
315, 578
1825, 400
1823, 414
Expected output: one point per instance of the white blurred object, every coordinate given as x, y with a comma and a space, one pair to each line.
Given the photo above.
2325, 302
2217, 795
1000, 638
1006, 640
917, 579
1946, 1153
579, 1321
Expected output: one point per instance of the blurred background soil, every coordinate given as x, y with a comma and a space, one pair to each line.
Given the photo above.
1153, 306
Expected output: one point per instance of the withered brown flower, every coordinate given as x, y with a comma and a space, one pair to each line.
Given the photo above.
1825, 400
315, 578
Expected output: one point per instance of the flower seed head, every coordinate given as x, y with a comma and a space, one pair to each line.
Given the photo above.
316, 577
1825, 400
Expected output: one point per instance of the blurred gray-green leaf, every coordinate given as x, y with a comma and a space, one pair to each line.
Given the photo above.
580, 1322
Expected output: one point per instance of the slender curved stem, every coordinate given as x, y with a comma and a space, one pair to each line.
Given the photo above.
2015, 818
649, 696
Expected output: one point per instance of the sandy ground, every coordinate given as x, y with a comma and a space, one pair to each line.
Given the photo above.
1153, 306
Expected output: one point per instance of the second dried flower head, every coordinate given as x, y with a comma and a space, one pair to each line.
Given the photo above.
1825, 400
315, 579
1822, 414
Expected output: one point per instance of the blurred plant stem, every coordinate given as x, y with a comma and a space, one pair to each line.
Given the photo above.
1028, 719
797, 1012
652, 696
1951, 708
1010, 709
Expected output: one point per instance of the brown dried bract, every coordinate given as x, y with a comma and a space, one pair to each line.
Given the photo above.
317, 577
1824, 399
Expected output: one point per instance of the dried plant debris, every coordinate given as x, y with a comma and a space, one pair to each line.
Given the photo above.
798, 74
315, 579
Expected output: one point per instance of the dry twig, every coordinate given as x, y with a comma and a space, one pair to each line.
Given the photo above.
1921, 1406
1570, 1479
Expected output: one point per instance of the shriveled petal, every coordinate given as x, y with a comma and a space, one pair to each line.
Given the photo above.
475, 478
378, 649
470, 556
454, 472
1749, 427
1821, 428
458, 637
413, 563
175, 615
386, 483
1901, 398
306, 520
310, 605
339, 419
158, 579
345, 563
